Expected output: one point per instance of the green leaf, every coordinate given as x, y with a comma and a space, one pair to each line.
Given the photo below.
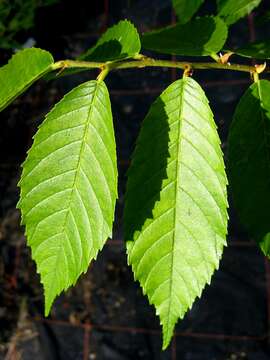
256, 50
249, 162
183, 40
69, 187
233, 10
22, 70
120, 41
185, 9
175, 214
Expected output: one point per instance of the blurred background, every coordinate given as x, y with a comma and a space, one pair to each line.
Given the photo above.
106, 316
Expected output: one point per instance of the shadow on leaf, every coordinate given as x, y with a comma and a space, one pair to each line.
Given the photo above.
148, 170
182, 39
107, 51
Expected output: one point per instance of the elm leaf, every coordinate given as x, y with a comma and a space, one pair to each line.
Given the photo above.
69, 187
233, 10
182, 39
120, 41
185, 9
175, 216
25, 67
255, 50
249, 162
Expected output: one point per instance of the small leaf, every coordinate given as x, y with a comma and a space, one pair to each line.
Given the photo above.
22, 70
69, 187
256, 50
233, 10
249, 162
118, 42
199, 37
175, 216
185, 9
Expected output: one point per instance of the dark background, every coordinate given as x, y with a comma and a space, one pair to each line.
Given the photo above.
106, 316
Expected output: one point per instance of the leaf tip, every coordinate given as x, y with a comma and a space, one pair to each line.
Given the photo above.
48, 302
167, 335
167, 330
165, 344
47, 310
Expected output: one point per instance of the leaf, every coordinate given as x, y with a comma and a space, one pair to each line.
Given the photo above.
183, 40
120, 41
69, 187
185, 9
231, 10
249, 161
175, 213
22, 70
256, 50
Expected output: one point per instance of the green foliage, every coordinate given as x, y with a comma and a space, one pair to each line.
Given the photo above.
175, 216
256, 50
233, 10
22, 70
69, 187
181, 39
118, 42
175, 208
15, 16
249, 161
185, 9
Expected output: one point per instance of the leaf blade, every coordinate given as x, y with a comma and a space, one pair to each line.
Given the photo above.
120, 41
22, 70
69, 187
179, 39
248, 161
231, 11
256, 50
185, 9
168, 179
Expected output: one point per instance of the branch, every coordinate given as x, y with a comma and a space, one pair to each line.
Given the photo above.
150, 62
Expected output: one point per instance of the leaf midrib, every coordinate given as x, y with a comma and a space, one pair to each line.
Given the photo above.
178, 163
